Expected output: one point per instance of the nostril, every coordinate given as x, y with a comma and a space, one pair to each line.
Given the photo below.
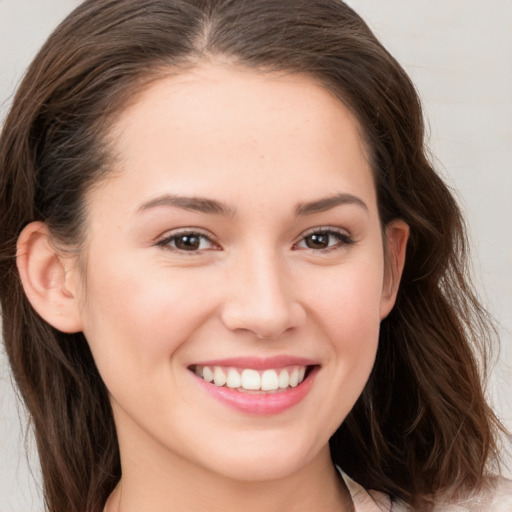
265, 307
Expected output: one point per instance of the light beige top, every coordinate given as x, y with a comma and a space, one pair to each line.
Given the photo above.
497, 498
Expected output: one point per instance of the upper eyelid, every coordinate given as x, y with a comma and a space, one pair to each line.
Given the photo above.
345, 238
324, 229
185, 231
213, 239
164, 241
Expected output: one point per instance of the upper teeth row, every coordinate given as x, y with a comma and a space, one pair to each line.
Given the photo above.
250, 379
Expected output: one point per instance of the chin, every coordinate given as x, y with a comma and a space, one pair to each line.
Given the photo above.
261, 461
261, 469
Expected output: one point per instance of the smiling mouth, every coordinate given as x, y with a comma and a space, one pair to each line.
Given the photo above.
249, 380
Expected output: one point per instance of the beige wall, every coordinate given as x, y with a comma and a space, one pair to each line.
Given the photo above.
459, 53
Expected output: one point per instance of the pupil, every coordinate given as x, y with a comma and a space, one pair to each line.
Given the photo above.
188, 242
317, 241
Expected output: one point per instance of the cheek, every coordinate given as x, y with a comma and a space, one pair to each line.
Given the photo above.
348, 300
135, 319
348, 310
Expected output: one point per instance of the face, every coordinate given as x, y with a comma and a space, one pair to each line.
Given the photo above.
235, 276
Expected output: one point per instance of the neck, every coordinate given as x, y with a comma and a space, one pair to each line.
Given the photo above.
182, 487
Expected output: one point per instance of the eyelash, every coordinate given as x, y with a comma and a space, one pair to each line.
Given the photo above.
343, 239
166, 242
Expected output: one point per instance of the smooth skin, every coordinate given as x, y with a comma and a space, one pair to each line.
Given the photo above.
240, 220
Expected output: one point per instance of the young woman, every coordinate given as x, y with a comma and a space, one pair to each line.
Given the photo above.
230, 278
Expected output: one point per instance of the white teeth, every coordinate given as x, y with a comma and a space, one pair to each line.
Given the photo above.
269, 380
294, 378
234, 379
207, 374
219, 377
250, 379
284, 379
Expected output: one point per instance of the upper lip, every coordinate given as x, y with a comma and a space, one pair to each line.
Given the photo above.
259, 363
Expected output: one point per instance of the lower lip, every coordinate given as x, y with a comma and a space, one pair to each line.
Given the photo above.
260, 403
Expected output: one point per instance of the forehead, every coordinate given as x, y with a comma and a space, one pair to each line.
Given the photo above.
233, 126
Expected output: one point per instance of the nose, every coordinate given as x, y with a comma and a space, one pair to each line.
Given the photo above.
260, 297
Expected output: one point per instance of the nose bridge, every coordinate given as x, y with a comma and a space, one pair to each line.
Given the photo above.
260, 298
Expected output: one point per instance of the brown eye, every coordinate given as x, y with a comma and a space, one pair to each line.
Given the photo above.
187, 242
317, 241
324, 240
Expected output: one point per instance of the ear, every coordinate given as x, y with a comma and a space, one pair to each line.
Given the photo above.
47, 277
396, 235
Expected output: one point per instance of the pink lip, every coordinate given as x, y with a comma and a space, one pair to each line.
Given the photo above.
259, 403
259, 363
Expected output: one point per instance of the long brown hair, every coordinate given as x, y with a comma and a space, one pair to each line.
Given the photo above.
422, 425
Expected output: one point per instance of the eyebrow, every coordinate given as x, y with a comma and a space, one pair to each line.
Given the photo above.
211, 206
327, 203
195, 204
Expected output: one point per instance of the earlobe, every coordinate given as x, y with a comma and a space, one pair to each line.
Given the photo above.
46, 278
397, 234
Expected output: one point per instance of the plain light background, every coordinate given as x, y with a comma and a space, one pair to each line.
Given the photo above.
459, 54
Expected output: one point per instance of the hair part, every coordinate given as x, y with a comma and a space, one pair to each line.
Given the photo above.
422, 425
